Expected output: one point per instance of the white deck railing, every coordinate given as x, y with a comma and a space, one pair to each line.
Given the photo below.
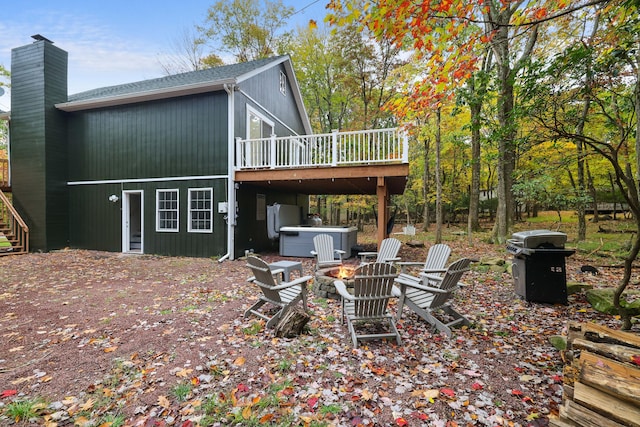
377, 146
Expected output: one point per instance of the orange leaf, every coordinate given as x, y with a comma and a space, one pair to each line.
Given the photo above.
541, 13
111, 349
239, 361
401, 422
266, 418
246, 413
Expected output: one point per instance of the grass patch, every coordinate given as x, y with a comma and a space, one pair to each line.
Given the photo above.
321, 302
181, 391
254, 329
285, 365
23, 411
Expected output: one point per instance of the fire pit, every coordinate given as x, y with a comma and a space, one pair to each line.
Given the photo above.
323, 285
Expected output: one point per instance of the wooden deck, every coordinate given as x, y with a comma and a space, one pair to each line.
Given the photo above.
373, 162
334, 163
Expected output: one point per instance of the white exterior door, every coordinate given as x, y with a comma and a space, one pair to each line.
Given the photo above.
132, 223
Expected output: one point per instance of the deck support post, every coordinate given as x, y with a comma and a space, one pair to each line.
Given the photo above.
383, 209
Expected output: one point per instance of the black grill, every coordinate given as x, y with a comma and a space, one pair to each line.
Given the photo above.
539, 268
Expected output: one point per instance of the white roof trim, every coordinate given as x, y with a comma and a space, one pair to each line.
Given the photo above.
151, 95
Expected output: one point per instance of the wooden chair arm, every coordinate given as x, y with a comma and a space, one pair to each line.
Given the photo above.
367, 254
433, 270
418, 285
410, 263
342, 290
299, 281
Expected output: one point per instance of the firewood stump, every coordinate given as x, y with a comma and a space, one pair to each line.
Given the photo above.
292, 323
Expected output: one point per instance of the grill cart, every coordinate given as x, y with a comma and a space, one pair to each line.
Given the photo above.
539, 268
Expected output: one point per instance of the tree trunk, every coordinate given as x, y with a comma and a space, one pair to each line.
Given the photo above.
580, 190
506, 154
637, 108
474, 193
425, 185
594, 194
499, 20
438, 237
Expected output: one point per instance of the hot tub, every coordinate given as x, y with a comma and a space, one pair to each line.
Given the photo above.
298, 240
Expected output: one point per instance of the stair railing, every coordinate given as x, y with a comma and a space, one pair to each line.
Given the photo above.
17, 228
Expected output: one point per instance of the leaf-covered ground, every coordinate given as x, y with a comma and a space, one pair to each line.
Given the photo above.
103, 339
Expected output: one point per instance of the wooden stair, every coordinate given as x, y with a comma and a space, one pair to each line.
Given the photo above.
13, 229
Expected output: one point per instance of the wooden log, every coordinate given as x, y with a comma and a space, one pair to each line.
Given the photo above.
615, 378
607, 405
560, 422
584, 417
617, 352
599, 333
292, 323
574, 332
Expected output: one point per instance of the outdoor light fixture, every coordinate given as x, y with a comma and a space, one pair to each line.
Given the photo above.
113, 198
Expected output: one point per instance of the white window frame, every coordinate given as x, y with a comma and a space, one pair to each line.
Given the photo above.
283, 83
177, 210
262, 117
190, 228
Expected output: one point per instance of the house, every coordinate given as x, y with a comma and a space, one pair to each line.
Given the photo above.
178, 165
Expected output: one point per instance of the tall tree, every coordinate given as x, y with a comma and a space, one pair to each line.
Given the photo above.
447, 40
322, 71
247, 29
607, 70
188, 53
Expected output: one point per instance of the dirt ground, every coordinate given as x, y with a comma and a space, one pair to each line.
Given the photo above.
95, 338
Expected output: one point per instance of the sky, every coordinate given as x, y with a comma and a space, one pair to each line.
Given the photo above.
112, 42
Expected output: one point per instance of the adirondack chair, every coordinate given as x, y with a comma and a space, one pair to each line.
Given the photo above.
281, 294
373, 287
325, 253
436, 262
388, 252
429, 295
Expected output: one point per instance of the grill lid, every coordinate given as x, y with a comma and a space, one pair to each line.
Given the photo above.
533, 239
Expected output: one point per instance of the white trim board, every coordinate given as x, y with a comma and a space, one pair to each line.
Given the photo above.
166, 179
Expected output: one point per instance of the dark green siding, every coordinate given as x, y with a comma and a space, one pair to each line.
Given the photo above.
174, 138
38, 142
184, 243
265, 90
184, 136
97, 222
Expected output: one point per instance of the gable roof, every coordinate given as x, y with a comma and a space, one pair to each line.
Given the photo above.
208, 80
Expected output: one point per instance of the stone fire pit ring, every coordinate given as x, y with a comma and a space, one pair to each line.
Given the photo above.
323, 285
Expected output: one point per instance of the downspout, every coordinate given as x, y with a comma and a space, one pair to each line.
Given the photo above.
231, 184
